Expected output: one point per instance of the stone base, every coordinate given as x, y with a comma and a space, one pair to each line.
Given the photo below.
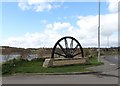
64, 61
48, 63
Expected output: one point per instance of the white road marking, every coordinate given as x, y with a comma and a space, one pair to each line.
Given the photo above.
112, 64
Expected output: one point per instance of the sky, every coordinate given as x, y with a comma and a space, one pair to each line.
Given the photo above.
39, 23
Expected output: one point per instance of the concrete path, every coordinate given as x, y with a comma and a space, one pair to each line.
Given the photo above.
108, 68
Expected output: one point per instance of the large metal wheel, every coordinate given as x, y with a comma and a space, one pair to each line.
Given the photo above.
67, 47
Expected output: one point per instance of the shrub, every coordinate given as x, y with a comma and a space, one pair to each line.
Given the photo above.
9, 66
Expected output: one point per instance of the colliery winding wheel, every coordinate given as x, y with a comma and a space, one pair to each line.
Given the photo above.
67, 47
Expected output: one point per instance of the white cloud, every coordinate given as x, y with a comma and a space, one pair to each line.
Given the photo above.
24, 6
86, 33
113, 5
42, 6
38, 5
107, 41
58, 26
28, 40
109, 24
89, 28
37, 1
88, 25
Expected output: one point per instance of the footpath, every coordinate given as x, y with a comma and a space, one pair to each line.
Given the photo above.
108, 69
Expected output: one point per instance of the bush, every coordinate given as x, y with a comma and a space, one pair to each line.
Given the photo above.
9, 66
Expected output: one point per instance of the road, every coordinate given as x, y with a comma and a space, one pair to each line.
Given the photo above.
60, 79
107, 75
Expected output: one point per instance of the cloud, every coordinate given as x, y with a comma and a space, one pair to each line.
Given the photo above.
24, 6
107, 41
58, 26
89, 28
38, 5
85, 33
113, 5
42, 6
27, 40
109, 24
89, 24
46, 38
46, 5
85, 30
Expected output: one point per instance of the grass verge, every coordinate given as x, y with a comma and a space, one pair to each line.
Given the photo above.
35, 66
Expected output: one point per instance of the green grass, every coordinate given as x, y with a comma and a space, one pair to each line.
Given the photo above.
94, 61
35, 66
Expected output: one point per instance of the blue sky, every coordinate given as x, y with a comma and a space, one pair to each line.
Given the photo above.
23, 20
17, 22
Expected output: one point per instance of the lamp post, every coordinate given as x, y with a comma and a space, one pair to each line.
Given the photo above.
99, 31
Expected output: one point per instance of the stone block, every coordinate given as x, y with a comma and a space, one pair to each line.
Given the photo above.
48, 63
64, 61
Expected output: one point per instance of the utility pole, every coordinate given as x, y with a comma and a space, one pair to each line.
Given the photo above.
99, 31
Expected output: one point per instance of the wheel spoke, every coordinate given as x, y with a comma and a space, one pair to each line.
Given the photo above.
71, 47
60, 54
66, 44
71, 44
75, 49
67, 48
76, 54
62, 48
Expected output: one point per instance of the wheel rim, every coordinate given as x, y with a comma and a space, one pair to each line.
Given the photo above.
67, 47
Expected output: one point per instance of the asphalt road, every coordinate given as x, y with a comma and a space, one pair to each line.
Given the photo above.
107, 75
60, 79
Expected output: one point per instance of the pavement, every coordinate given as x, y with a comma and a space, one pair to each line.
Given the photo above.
103, 74
108, 68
